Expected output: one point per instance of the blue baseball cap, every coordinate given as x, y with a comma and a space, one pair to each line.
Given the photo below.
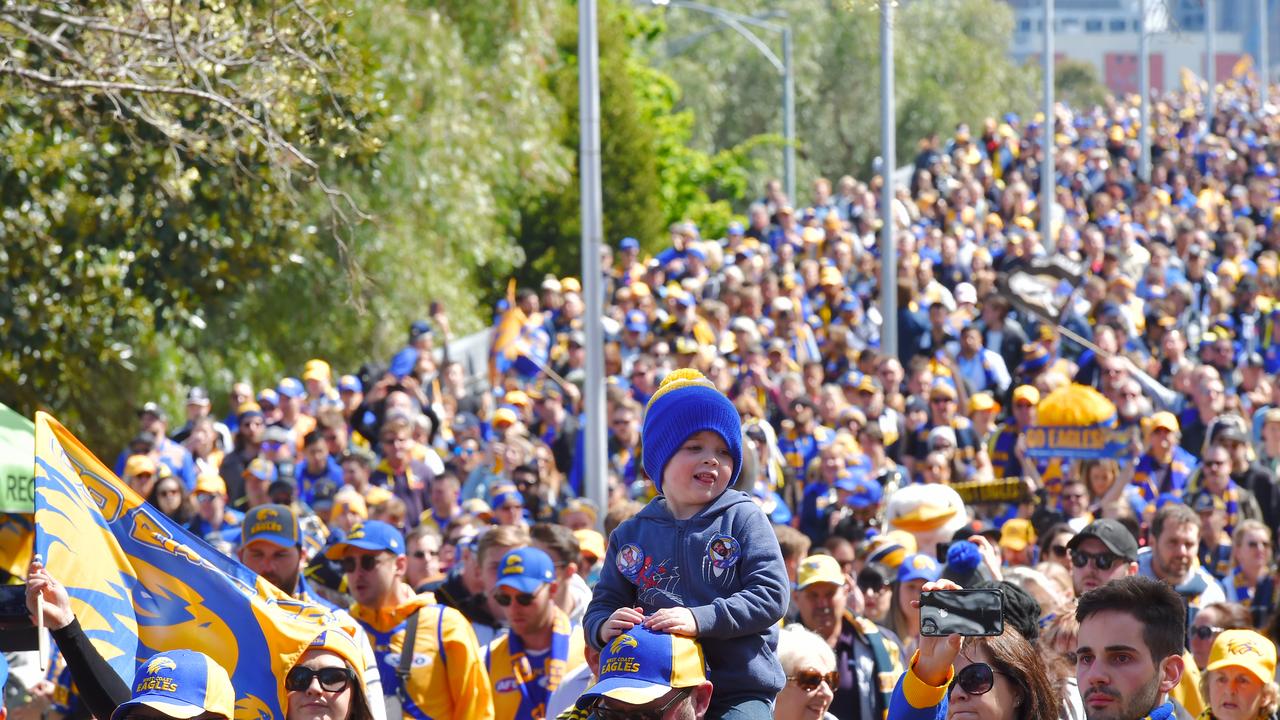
504, 494
525, 570
919, 567
864, 493
735, 228
350, 383
291, 387
637, 321
629, 243
404, 361
373, 535
274, 523
268, 397
640, 666
181, 684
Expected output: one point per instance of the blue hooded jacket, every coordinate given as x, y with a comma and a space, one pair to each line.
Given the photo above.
724, 565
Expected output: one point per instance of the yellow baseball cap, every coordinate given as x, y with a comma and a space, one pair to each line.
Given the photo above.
981, 402
316, 369
1017, 534
1026, 393
819, 568
138, 464
590, 542
1244, 649
211, 483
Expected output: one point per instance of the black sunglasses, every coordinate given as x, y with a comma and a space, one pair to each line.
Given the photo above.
1059, 551
366, 563
975, 679
810, 680
503, 599
332, 679
1102, 560
601, 712
1205, 632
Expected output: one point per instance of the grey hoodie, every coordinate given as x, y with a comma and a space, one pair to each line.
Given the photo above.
725, 566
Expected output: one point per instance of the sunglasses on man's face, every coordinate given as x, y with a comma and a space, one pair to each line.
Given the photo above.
365, 562
332, 679
975, 679
505, 600
601, 712
1102, 560
810, 680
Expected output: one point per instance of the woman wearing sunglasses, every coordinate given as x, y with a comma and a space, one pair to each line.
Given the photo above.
810, 666
322, 685
988, 678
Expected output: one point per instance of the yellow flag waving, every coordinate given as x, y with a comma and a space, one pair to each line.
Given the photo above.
141, 584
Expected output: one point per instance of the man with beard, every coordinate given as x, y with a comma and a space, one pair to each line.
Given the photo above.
868, 657
1129, 651
1175, 538
271, 546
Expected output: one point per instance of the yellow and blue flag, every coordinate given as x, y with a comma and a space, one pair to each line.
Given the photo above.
141, 584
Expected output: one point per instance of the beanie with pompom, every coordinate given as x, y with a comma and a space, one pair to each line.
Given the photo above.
686, 403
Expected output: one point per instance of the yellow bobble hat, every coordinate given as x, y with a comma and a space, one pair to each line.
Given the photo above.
686, 403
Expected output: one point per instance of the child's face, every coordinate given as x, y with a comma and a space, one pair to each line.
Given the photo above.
699, 471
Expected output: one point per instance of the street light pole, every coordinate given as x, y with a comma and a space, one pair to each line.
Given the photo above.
595, 476
738, 23
888, 161
1211, 57
788, 116
1144, 92
1264, 53
1048, 170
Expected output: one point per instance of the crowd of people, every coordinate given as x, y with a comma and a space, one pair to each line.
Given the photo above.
781, 487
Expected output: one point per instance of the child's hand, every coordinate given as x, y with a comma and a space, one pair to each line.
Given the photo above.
622, 620
677, 621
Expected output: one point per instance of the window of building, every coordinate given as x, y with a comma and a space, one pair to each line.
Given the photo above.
1117, 25
1093, 25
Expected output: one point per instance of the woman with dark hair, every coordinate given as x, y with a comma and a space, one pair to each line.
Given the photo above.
988, 678
1053, 545
172, 498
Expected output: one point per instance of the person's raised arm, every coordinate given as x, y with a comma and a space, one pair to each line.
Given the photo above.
100, 687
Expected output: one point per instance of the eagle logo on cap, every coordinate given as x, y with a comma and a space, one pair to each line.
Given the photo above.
921, 562
161, 663
1243, 647
622, 641
357, 532
268, 512
514, 566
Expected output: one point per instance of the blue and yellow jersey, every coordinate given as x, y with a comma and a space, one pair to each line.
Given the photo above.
524, 680
799, 449
447, 679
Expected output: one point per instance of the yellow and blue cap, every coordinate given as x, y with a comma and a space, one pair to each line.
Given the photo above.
919, 567
181, 684
640, 666
819, 568
525, 570
373, 535
274, 523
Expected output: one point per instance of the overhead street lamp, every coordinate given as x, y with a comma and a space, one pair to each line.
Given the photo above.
742, 25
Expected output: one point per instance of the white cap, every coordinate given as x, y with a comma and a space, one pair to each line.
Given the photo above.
966, 293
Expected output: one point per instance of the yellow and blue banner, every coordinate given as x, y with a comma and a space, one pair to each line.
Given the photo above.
141, 584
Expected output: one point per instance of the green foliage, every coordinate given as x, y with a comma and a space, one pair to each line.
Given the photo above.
951, 65
652, 177
1077, 83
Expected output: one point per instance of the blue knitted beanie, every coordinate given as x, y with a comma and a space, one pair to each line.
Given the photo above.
686, 403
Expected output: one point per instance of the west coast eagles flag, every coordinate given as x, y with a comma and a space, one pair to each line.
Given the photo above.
140, 584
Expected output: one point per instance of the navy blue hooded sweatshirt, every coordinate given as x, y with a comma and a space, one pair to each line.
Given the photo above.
724, 565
